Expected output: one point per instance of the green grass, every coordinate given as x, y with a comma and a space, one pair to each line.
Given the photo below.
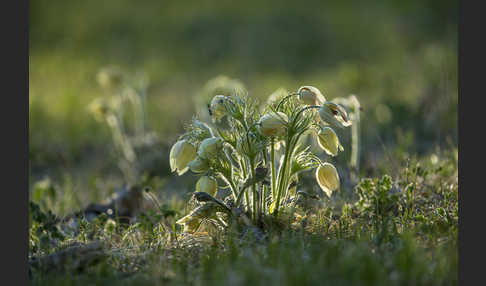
379, 237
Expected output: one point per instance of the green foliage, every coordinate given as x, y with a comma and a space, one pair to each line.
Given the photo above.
43, 191
378, 240
376, 197
238, 146
43, 231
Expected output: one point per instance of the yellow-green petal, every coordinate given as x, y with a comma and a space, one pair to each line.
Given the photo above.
328, 178
273, 124
181, 153
208, 185
328, 140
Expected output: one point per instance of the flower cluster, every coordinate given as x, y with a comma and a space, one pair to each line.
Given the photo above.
257, 153
122, 109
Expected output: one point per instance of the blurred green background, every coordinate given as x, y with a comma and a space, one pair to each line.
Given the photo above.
398, 57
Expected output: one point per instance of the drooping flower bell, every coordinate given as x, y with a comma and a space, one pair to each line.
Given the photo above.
328, 140
311, 95
334, 114
198, 165
273, 124
210, 147
181, 153
217, 108
208, 185
202, 128
328, 178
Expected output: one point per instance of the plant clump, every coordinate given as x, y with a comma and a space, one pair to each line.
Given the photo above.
257, 153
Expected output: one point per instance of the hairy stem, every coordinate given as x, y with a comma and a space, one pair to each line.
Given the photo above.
254, 191
281, 176
230, 183
272, 162
354, 162
284, 177
264, 187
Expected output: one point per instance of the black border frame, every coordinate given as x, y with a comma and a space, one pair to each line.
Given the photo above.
15, 121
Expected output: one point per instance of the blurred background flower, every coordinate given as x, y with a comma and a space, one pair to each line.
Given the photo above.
398, 57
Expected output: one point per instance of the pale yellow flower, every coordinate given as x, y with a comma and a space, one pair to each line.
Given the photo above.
208, 185
110, 225
273, 124
210, 147
204, 127
100, 107
334, 114
198, 165
311, 95
329, 141
434, 159
180, 155
328, 178
218, 110
110, 77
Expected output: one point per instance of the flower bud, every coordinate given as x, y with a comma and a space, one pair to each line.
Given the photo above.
311, 95
180, 155
328, 178
210, 147
198, 165
329, 141
273, 124
110, 77
110, 225
99, 108
334, 115
208, 185
217, 108
204, 129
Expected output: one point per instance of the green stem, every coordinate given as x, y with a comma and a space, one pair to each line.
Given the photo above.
307, 108
240, 194
281, 176
272, 158
263, 198
355, 144
230, 183
254, 191
285, 99
250, 157
264, 187
247, 199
